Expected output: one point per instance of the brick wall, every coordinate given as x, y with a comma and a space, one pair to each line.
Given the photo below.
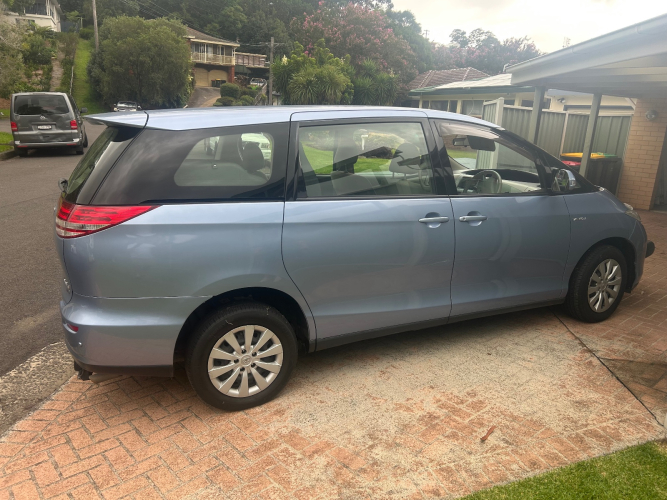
642, 155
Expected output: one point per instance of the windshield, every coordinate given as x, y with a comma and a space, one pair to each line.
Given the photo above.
37, 104
125, 103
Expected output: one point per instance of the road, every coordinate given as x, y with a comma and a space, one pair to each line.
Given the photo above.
30, 277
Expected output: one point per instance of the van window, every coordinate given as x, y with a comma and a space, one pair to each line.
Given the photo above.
97, 161
230, 163
228, 160
40, 104
365, 159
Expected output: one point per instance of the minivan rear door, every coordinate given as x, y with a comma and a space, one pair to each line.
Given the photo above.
42, 118
368, 236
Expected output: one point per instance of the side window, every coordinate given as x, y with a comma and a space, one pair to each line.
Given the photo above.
228, 160
222, 164
368, 159
484, 163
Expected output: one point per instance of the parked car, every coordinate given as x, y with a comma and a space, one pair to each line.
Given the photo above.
46, 120
257, 82
181, 243
127, 106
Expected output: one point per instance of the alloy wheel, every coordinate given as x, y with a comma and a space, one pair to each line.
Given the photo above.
604, 285
245, 361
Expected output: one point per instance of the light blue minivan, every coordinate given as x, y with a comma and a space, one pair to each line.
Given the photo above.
233, 239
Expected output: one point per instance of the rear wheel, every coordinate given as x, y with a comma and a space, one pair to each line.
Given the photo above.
597, 285
241, 356
85, 141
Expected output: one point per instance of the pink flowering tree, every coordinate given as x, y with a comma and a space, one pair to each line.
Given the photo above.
361, 32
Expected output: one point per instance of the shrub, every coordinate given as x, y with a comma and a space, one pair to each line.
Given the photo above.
230, 90
249, 91
246, 100
225, 101
86, 33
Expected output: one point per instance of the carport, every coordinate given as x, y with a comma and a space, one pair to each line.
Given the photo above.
631, 62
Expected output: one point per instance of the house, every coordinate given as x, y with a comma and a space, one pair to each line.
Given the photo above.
214, 58
630, 63
44, 13
468, 97
434, 78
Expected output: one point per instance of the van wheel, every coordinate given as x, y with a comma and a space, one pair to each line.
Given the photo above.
241, 356
597, 285
85, 141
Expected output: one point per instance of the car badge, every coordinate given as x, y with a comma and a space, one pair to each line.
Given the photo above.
42, 117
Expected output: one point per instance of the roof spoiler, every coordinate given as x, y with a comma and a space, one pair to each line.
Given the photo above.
136, 119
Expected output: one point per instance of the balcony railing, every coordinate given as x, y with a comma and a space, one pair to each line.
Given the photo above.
37, 9
212, 59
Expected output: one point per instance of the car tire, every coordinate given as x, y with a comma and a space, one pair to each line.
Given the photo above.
85, 141
594, 283
214, 349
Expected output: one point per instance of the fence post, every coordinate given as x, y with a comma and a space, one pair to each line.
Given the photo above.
590, 133
562, 137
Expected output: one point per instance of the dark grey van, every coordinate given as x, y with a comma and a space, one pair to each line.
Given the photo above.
46, 120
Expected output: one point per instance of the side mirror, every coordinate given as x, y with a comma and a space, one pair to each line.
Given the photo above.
564, 181
62, 184
83, 110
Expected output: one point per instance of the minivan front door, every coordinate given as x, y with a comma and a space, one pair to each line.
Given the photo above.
512, 234
367, 240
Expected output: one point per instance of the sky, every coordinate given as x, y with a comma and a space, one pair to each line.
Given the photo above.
546, 23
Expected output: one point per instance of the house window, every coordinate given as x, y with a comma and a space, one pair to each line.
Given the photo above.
441, 105
472, 108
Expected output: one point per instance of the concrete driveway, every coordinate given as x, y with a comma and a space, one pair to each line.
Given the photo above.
397, 417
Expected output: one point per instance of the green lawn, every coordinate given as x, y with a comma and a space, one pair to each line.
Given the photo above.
5, 138
639, 472
322, 161
5, 114
82, 91
461, 154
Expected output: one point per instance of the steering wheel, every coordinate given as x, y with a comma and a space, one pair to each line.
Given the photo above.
480, 179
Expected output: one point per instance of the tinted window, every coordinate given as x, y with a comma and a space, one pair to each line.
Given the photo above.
97, 161
368, 159
484, 163
40, 104
240, 163
228, 160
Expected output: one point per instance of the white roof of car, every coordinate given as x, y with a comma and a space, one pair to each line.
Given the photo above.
199, 118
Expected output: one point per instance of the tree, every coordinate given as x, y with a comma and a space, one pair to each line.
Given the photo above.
318, 79
482, 50
143, 61
110, 8
363, 34
372, 87
11, 64
405, 25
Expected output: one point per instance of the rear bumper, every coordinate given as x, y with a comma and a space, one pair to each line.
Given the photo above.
127, 336
650, 248
38, 145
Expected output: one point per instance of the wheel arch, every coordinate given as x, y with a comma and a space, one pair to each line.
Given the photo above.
628, 250
277, 299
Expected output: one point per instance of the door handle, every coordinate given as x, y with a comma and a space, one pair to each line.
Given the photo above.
472, 218
429, 220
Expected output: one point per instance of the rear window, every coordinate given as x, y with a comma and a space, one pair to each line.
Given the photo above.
97, 161
231, 163
40, 105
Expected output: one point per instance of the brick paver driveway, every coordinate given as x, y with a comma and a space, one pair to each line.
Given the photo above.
398, 417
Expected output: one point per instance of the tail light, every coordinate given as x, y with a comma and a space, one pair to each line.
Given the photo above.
15, 127
73, 220
73, 125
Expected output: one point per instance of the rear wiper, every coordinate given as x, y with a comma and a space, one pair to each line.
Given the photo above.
62, 184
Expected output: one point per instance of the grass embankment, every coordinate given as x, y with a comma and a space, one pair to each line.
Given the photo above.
322, 161
637, 472
5, 114
4, 139
82, 90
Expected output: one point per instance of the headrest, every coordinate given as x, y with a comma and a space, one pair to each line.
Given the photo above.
253, 159
345, 157
406, 159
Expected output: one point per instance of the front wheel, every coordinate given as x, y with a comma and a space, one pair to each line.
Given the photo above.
597, 285
241, 356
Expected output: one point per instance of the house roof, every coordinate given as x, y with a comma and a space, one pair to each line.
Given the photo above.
203, 37
439, 77
492, 84
630, 62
